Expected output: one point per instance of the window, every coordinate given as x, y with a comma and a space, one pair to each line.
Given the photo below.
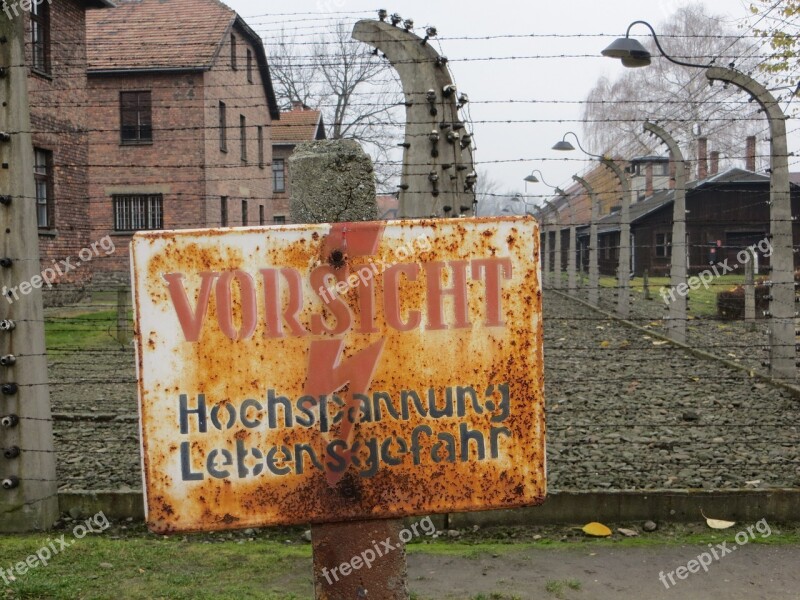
278, 175
244, 212
249, 66
243, 136
223, 211
260, 146
279, 220
223, 127
261, 219
234, 64
663, 245
40, 36
43, 177
138, 211
136, 117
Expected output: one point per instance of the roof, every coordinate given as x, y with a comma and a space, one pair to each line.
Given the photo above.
650, 158
139, 36
298, 125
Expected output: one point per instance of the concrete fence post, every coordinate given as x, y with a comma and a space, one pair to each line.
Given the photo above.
124, 329
678, 272
594, 270
28, 496
782, 306
750, 291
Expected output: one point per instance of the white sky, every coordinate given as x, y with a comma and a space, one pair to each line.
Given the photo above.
565, 79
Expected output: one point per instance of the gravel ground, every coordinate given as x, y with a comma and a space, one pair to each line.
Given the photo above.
625, 411
731, 340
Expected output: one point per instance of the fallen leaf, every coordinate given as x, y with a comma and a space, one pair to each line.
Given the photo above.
717, 523
628, 532
596, 530
605, 344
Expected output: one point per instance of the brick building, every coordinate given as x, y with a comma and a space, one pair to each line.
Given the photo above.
55, 52
301, 124
182, 110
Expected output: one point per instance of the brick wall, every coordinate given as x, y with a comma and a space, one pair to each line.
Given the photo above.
281, 199
227, 175
59, 122
172, 165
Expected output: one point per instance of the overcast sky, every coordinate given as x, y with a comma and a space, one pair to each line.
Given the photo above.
517, 148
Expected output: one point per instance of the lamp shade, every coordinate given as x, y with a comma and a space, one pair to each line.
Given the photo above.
532, 179
631, 51
633, 63
564, 146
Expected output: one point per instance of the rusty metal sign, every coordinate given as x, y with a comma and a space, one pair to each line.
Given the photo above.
326, 373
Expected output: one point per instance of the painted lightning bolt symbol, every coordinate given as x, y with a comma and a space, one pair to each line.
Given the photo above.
328, 371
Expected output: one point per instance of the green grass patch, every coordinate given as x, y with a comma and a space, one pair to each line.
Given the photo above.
81, 331
702, 301
559, 587
139, 565
152, 568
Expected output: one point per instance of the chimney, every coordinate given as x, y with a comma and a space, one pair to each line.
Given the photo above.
750, 154
297, 105
673, 172
715, 162
648, 178
702, 158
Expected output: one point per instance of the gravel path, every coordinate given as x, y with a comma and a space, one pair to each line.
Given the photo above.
625, 411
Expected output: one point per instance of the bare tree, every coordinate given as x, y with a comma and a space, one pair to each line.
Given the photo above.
778, 24
678, 97
356, 90
486, 187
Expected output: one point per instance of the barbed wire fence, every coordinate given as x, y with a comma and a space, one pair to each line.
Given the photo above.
627, 409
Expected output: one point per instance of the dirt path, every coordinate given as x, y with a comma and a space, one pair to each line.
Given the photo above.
752, 572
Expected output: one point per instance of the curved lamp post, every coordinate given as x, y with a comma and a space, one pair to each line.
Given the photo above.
624, 264
594, 270
555, 272
782, 298
676, 327
572, 234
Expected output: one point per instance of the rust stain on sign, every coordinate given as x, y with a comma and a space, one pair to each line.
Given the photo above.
327, 373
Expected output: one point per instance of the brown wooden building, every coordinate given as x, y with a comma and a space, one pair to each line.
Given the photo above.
725, 213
